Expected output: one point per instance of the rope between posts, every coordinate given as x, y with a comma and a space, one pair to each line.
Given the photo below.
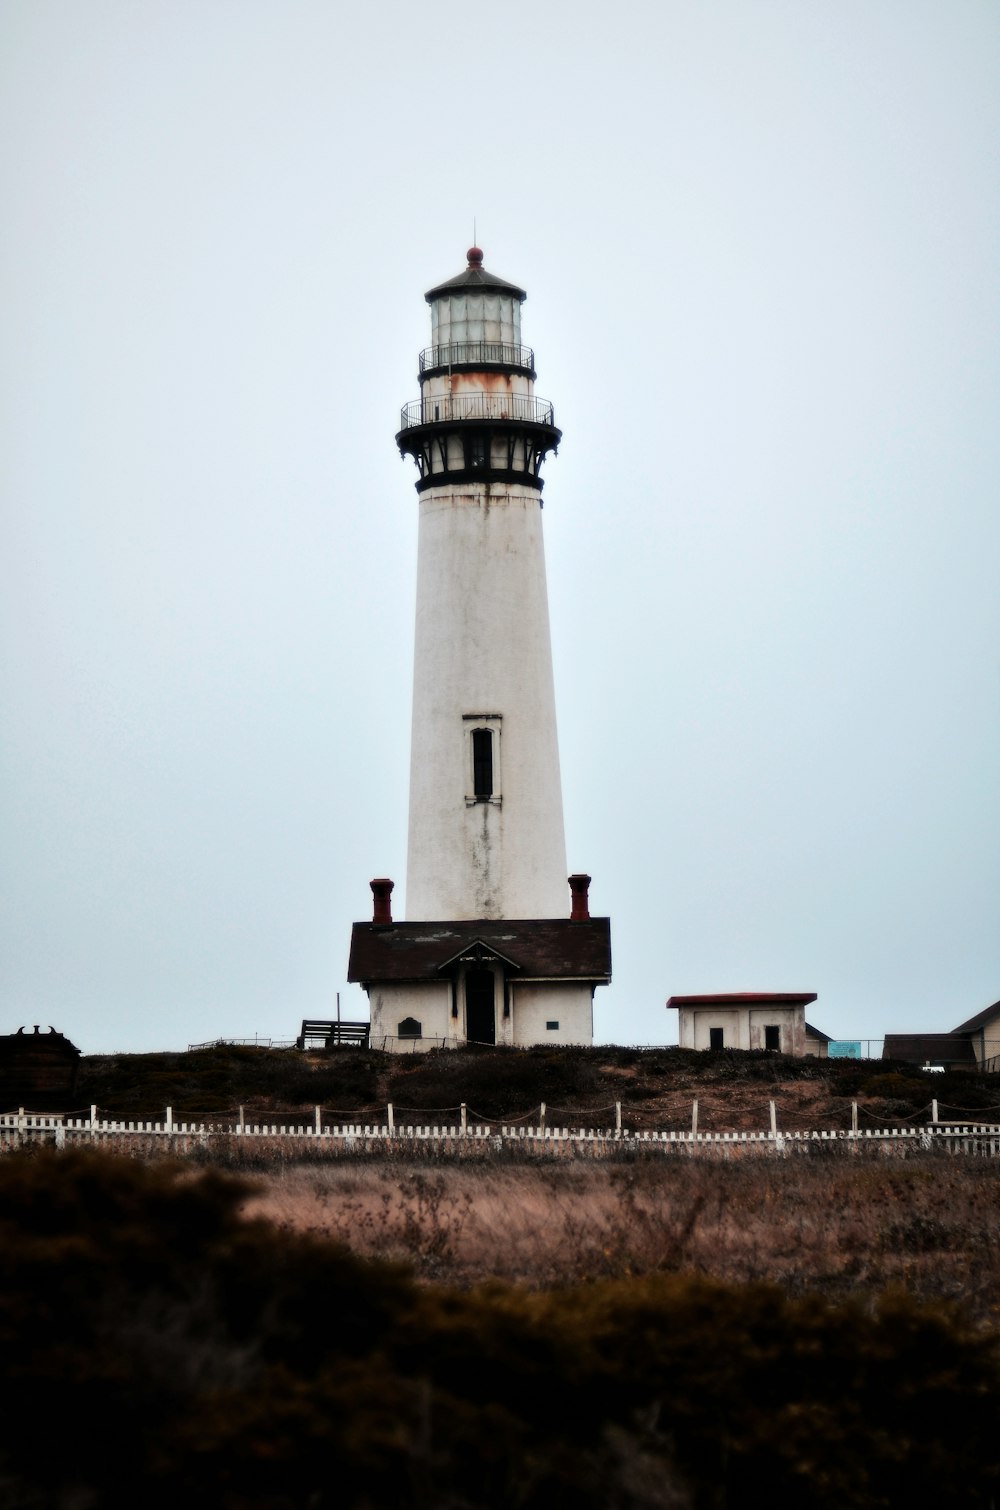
507, 1121
879, 1120
583, 1111
424, 1111
363, 1111
979, 1110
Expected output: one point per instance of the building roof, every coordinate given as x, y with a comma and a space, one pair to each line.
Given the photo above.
818, 1033
981, 1020
745, 999
53, 1044
475, 277
535, 948
923, 1048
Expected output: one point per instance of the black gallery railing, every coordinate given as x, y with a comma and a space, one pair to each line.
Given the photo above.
448, 407
477, 354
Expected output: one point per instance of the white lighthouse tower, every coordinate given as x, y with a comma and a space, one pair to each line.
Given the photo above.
487, 854
486, 823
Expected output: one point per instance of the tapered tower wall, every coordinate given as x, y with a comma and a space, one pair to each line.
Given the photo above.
483, 662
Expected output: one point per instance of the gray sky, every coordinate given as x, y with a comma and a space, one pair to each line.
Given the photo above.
760, 242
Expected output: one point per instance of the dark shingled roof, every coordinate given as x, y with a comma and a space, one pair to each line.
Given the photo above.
928, 1048
981, 1019
536, 948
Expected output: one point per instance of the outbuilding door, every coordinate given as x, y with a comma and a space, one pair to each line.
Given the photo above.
480, 1007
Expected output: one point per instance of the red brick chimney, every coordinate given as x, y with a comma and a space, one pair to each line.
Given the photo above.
579, 886
382, 892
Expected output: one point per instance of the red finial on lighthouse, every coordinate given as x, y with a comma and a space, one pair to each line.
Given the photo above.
475, 256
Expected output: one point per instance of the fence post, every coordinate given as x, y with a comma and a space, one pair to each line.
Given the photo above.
391, 1121
774, 1120
618, 1118
93, 1117
541, 1118
240, 1124
694, 1119
854, 1116
934, 1110
170, 1119
465, 1119
319, 1120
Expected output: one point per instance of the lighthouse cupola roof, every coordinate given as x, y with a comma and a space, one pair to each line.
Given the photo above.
474, 278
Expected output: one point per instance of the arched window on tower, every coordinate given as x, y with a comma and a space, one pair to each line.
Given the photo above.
482, 763
483, 776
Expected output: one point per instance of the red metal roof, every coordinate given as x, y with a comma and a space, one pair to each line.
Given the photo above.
745, 999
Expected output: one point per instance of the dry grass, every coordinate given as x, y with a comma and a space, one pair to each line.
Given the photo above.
928, 1225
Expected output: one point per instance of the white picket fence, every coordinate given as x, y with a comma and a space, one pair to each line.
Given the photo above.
18, 1128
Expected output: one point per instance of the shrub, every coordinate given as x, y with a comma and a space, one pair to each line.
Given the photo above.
199, 1359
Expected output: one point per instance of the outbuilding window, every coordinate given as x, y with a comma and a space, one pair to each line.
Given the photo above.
716, 1038
772, 1038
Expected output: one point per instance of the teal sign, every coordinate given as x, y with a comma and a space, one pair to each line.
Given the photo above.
844, 1048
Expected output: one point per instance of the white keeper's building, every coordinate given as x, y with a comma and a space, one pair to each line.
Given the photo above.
493, 949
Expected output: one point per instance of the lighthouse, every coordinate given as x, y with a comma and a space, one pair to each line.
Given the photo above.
484, 717
498, 945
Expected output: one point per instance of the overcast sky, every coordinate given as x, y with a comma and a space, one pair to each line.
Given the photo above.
760, 243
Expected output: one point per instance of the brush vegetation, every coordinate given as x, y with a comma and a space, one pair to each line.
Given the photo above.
655, 1086
163, 1348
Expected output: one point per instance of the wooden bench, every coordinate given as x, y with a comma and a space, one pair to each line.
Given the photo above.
332, 1033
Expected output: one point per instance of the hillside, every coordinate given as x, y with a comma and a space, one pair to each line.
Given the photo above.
656, 1087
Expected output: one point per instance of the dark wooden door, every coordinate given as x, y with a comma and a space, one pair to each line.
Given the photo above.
480, 1009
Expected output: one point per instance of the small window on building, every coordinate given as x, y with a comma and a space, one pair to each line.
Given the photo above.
482, 762
553, 1027
409, 1028
477, 456
772, 1038
716, 1038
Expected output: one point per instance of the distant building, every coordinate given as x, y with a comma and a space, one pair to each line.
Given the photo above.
494, 950
973, 1045
983, 1033
37, 1071
749, 1020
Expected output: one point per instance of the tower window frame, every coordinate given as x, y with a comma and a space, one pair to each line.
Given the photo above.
482, 758
482, 764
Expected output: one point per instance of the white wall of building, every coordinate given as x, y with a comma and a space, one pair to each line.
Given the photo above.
429, 1003
537, 1003
533, 1005
743, 1027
